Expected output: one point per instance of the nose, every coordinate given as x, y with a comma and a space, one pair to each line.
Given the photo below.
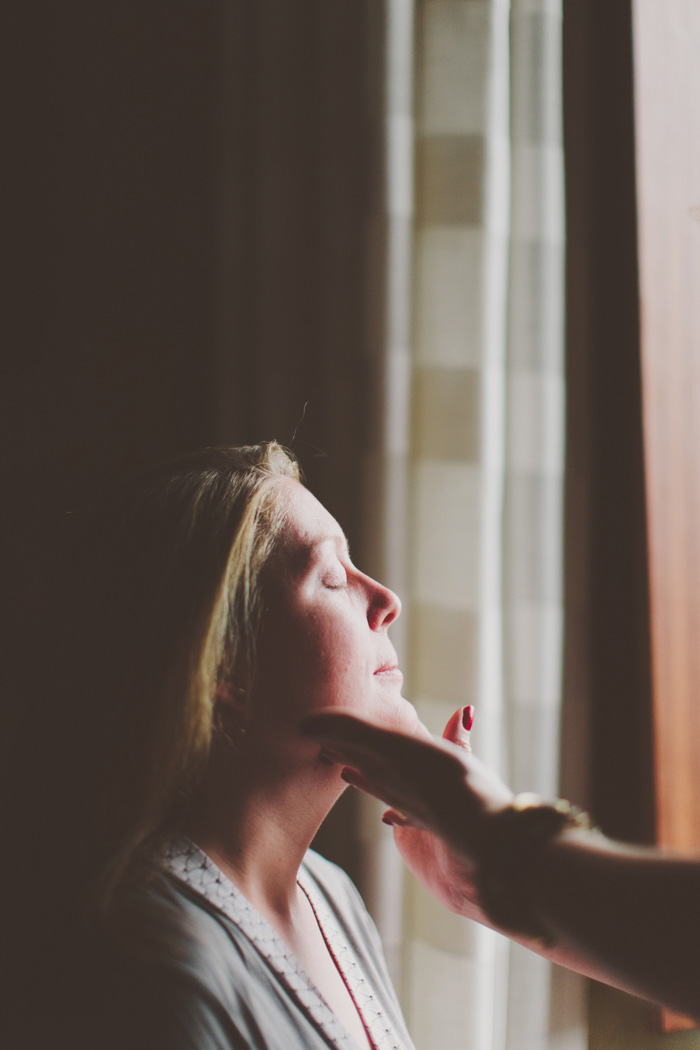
384, 605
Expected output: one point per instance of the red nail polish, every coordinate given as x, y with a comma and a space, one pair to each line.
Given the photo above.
468, 717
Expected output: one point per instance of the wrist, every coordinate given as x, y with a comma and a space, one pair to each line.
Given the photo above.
512, 843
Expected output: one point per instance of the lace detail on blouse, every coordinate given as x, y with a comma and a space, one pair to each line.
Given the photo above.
189, 863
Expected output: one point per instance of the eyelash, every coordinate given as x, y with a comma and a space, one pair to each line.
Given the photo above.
335, 583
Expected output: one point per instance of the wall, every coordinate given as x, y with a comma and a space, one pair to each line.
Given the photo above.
193, 183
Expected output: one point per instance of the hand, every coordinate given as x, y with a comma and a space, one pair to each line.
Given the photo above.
439, 794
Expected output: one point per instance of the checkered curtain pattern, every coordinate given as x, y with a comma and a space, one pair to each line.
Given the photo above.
485, 468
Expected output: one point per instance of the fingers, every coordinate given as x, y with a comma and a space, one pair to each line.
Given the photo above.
393, 817
411, 774
355, 778
376, 749
356, 742
396, 819
457, 730
340, 728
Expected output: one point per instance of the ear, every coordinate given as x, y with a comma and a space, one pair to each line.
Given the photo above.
229, 692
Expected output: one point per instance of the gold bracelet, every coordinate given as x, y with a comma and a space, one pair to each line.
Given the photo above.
513, 840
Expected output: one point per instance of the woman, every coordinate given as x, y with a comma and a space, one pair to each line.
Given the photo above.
214, 607
628, 916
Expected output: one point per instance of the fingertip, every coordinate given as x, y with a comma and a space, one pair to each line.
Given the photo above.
394, 819
328, 757
453, 730
459, 725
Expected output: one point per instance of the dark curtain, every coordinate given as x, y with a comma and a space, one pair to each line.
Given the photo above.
607, 685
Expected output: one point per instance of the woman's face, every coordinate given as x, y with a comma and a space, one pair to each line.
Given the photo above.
323, 641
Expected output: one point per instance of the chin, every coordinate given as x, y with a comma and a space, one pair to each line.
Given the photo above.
401, 714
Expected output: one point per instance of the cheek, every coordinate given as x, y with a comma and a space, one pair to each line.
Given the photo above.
311, 661
328, 667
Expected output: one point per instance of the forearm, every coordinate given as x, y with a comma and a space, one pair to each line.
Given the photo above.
627, 916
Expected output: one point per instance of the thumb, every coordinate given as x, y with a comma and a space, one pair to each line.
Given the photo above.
457, 730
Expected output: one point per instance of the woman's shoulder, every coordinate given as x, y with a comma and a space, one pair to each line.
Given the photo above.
189, 983
153, 983
192, 936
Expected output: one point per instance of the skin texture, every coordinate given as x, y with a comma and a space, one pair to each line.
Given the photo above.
324, 641
626, 916
323, 646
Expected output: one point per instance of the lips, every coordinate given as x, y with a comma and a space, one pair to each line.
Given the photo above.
390, 669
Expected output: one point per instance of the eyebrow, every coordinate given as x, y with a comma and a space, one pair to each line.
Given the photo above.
335, 538
303, 556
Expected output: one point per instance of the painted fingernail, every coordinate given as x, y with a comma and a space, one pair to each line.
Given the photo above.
394, 818
468, 717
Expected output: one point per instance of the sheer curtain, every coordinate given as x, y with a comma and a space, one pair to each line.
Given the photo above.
480, 448
446, 408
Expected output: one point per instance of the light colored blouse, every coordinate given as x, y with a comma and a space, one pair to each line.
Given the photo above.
242, 987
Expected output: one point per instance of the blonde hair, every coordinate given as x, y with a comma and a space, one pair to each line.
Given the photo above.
171, 588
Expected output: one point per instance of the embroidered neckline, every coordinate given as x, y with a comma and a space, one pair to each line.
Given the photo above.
184, 859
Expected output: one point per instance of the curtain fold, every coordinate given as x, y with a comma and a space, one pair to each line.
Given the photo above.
484, 511
389, 277
438, 389
545, 1009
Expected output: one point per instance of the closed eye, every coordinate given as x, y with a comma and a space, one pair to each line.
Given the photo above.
336, 582
332, 559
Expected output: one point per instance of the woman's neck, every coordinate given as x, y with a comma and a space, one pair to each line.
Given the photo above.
257, 824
